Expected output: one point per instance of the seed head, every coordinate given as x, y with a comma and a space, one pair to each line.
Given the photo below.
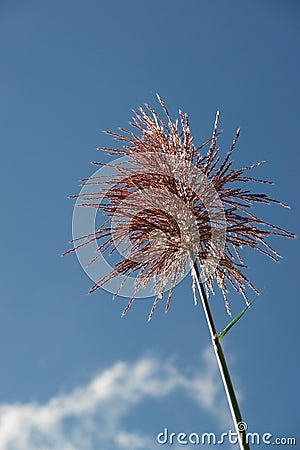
173, 203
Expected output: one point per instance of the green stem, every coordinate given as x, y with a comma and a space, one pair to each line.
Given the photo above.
231, 397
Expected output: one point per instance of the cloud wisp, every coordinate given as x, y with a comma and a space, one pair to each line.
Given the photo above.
92, 416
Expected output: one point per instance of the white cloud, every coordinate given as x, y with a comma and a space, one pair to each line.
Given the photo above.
91, 416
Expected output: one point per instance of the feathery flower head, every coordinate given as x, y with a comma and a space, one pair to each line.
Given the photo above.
169, 203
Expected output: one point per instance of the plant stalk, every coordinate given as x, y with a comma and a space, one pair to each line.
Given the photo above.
231, 397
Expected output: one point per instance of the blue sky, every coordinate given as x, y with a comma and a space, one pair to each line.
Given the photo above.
70, 69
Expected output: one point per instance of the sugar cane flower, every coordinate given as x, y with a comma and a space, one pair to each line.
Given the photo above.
169, 203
